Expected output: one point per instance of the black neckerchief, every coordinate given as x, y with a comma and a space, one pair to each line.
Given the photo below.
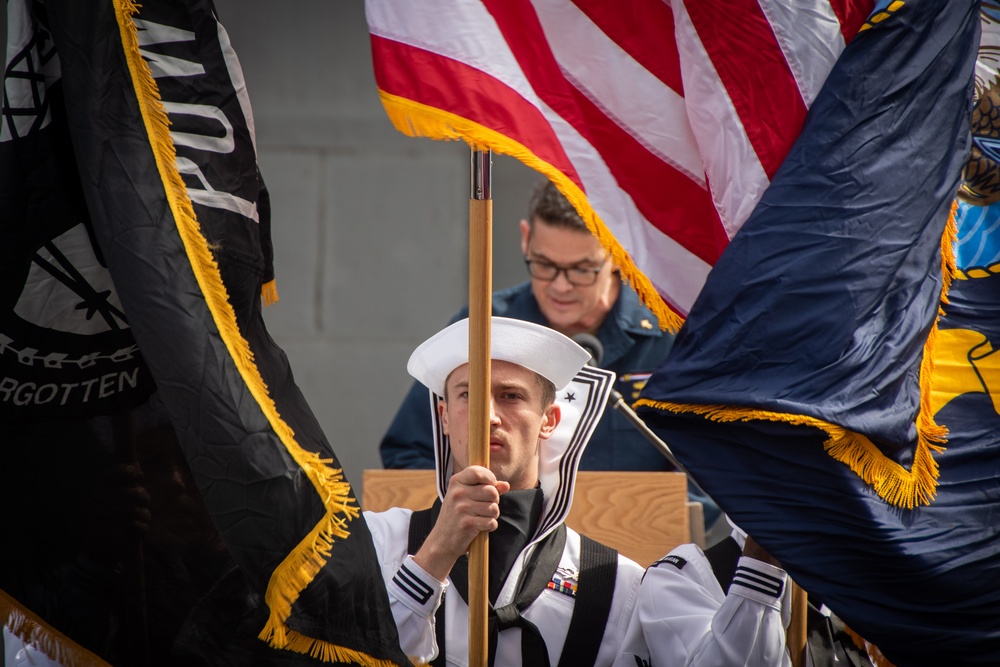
519, 515
520, 512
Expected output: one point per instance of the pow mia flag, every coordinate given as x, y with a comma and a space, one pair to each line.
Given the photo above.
66, 349
133, 159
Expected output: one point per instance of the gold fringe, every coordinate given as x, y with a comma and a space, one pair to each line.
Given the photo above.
891, 481
328, 652
418, 120
949, 268
269, 292
33, 630
299, 568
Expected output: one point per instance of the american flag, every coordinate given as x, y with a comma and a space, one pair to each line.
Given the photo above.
663, 122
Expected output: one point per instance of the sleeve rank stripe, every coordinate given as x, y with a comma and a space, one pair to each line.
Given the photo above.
758, 581
412, 585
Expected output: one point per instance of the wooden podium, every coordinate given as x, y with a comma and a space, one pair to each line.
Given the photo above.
642, 514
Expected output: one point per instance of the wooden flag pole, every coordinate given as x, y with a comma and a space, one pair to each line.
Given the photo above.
796, 637
480, 310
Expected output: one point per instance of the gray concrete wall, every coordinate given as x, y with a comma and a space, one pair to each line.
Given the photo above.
370, 226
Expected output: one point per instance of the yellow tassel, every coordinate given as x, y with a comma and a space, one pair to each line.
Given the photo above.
328, 652
949, 269
418, 120
891, 481
31, 629
269, 292
299, 568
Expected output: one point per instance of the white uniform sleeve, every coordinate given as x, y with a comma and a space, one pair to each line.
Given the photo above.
684, 618
414, 595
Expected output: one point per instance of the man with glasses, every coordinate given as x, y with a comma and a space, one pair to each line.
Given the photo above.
574, 288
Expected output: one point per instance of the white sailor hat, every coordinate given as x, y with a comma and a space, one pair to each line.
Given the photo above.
537, 348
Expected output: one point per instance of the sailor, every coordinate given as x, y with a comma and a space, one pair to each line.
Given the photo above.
556, 597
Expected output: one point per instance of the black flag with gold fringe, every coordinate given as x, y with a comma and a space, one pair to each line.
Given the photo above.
133, 205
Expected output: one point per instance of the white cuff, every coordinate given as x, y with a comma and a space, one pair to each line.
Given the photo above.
417, 590
759, 581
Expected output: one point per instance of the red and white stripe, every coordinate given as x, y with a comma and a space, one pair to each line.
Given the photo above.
670, 117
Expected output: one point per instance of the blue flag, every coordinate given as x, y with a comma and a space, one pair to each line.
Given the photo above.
802, 389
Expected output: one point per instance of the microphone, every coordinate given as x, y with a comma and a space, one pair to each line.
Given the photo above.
592, 345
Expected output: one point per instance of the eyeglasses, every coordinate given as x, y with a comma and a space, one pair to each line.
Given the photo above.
578, 276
